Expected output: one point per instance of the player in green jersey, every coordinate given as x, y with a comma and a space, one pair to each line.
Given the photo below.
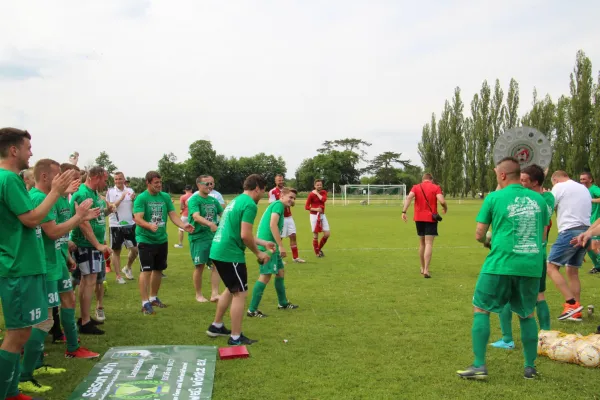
227, 254
269, 229
532, 177
587, 180
203, 213
22, 261
52, 233
151, 210
512, 270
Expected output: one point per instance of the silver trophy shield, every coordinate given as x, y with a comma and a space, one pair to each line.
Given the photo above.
526, 144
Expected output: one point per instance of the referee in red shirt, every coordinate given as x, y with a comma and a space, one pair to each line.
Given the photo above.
426, 195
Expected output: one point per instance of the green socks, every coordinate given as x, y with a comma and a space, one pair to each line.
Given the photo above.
594, 257
543, 314
33, 348
67, 317
280, 288
529, 337
506, 324
8, 380
257, 294
481, 334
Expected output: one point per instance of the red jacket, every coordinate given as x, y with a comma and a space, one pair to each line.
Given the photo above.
313, 201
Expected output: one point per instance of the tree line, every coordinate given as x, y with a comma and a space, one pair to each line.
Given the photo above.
458, 149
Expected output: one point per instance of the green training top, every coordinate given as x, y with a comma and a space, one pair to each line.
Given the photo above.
208, 208
156, 209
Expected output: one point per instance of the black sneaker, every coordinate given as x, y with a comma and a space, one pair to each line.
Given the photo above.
594, 270
90, 329
92, 320
158, 303
530, 373
242, 341
257, 314
321, 254
214, 332
288, 306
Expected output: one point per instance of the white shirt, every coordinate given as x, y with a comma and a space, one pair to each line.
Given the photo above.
574, 205
124, 214
217, 196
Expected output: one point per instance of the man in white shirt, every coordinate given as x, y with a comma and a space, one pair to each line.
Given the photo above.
574, 208
214, 193
122, 226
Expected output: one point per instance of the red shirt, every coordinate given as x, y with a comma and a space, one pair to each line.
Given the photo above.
183, 201
422, 211
274, 195
314, 202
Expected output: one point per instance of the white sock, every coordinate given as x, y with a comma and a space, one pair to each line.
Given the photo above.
152, 298
217, 324
235, 337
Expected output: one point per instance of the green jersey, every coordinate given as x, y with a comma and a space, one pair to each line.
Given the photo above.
595, 193
21, 248
550, 202
98, 224
208, 208
156, 209
51, 246
264, 226
63, 214
518, 217
227, 245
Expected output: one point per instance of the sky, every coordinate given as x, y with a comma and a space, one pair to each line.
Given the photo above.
140, 78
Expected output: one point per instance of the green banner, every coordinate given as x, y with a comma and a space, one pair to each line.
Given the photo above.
151, 373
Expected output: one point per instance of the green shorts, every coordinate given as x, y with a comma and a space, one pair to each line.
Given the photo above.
272, 266
200, 251
65, 284
24, 301
493, 292
52, 290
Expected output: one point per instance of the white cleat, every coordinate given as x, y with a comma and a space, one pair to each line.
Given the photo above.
299, 260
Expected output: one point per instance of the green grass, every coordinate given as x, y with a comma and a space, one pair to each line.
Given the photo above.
368, 327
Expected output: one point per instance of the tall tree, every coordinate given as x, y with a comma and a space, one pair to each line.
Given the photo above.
427, 147
455, 153
483, 129
201, 162
443, 139
595, 139
470, 162
172, 173
581, 113
562, 136
383, 167
496, 121
512, 105
103, 160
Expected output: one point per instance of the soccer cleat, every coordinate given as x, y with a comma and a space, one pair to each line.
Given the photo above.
59, 339
570, 309
178, 246
288, 306
93, 321
299, 260
214, 332
321, 254
100, 316
158, 303
48, 370
594, 270
33, 386
121, 281
257, 314
147, 309
90, 329
241, 341
530, 373
578, 317
473, 372
501, 344
128, 273
81, 352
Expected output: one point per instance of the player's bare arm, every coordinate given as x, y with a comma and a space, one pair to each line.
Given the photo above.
176, 219
82, 213
88, 233
407, 204
142, 223
203, 221
274, 225
481, 231
60, 185
442, 200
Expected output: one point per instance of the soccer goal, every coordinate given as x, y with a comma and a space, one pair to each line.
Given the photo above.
392, 195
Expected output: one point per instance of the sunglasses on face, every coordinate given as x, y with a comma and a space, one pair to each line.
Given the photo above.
207, 184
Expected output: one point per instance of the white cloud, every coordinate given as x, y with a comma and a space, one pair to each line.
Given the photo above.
139, 78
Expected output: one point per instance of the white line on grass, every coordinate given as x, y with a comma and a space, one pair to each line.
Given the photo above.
396, 311
398, 248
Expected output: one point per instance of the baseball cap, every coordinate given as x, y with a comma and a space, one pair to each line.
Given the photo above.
188, 187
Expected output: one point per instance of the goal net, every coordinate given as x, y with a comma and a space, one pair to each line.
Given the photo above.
392, 195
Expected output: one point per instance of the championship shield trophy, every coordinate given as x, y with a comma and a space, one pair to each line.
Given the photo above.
528, 145
74, 158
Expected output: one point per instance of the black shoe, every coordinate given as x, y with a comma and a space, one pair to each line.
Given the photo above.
530, 373
92, 320
214, 332
90, 329
242, 341
321, 254
288, 306
257, 314
594, 270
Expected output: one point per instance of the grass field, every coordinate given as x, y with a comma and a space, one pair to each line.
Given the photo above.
368, 327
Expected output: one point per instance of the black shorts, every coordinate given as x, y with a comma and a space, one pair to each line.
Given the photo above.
122, 235
426, 228
153, 257
233, 275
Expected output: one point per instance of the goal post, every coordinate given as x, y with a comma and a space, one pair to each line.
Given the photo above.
373, 194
